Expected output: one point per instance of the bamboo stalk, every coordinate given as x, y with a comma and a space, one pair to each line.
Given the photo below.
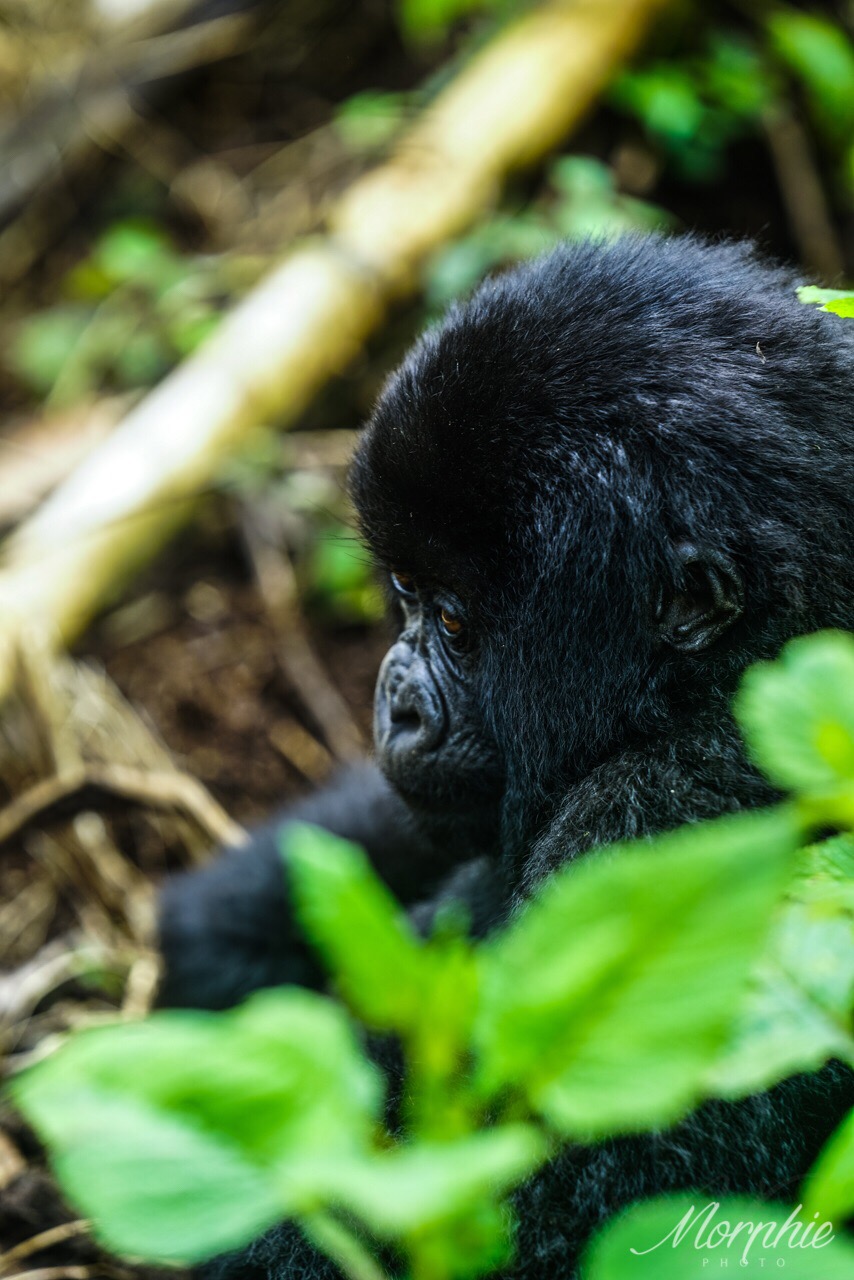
306, 321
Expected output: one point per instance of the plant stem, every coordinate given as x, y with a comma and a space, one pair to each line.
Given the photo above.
342, 1246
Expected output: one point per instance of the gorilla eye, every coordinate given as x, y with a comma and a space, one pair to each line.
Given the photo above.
403, 584
451, 624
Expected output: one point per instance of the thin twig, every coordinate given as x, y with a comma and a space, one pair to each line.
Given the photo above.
63, 1273
56, 962
156, 790
44, 1240
141, 986
12, 1163
803, 194
305, 673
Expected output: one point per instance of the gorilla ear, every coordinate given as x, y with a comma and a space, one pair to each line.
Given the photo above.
709, 600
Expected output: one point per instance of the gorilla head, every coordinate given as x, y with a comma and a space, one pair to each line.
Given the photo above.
599, 489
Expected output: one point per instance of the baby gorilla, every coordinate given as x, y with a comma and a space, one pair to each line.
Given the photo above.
598, 491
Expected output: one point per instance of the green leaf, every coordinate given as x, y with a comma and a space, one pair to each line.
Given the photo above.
44, 344
839, 301
798, 1011
153, 1186
842, 306
426, 19
340, 577
821, 55
648, 1243
414, 1188
135, 251
251, 1108
797, 714
629, 967
357, 926
476, 1242
664, 98
829, 1189
370, 119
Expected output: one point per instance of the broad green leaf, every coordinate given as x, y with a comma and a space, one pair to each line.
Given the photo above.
842, 306
797, 714
798, 1011
154, 1186
830, 1187
277, 1084
413, 1188
681, 1238
826, 873
628, 968
839, 301
357, 926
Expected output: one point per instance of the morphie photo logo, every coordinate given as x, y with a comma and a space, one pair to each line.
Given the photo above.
721, 1244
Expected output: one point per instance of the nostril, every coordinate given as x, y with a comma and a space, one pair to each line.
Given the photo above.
405, 717
403, 708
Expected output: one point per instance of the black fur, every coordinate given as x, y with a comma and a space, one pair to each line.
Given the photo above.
631, 466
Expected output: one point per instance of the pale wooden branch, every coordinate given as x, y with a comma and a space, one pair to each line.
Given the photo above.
512, 103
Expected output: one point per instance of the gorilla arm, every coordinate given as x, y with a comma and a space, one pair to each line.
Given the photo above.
227, 930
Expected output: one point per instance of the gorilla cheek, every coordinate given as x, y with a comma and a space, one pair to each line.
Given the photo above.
410, 717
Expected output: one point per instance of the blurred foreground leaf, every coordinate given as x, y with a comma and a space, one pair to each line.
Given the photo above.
830, 1186
188, 1133
798, 1013
629, 966
358, 927
797, 716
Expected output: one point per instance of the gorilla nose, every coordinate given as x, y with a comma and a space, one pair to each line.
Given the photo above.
410, 715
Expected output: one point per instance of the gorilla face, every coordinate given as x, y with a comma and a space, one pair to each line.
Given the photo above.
430, 738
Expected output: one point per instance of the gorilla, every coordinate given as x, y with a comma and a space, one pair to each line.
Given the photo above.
597, 491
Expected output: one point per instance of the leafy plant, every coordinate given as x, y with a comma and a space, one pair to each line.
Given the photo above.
132, 308
339, 579
188, 1133
821, 55
839, 301
694, 108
